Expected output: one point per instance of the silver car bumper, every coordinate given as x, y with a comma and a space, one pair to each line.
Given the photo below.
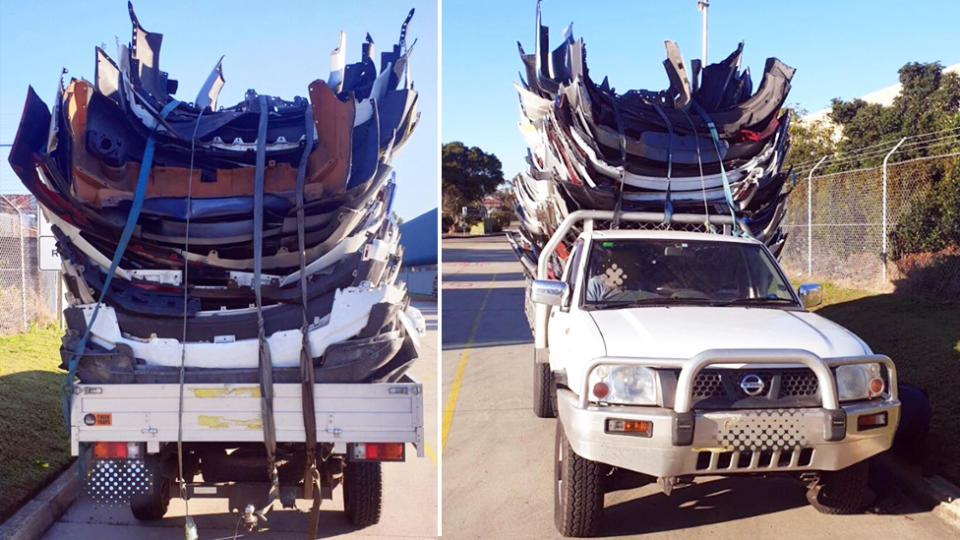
685, 441
723, 442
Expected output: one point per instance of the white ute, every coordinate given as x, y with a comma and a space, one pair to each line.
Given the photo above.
679, 354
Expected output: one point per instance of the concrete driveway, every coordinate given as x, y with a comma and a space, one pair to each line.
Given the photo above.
498, 457
409, 493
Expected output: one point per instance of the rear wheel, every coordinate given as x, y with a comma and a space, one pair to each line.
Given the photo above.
578, 490
362, 492
544, 391
152, 505
841, 492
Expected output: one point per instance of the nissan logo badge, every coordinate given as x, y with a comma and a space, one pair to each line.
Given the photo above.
751, 384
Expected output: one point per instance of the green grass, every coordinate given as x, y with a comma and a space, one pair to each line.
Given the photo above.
922, 336
34, 446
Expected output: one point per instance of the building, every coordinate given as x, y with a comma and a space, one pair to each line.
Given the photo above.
419, 240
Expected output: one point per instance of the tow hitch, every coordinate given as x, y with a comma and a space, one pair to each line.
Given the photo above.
668, 483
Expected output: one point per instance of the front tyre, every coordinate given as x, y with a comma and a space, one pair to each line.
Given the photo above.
578, 490
544, 391
841, 492
362, 492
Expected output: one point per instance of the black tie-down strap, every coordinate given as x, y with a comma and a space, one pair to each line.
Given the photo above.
266, 366
311, 476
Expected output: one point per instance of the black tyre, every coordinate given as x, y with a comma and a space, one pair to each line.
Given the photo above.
577, 492
544, 391
362, 492
841, 492
152, 505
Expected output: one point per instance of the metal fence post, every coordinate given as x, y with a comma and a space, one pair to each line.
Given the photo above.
23, 262
810, 216
883, 251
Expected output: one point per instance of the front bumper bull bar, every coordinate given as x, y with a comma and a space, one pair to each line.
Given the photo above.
687, 441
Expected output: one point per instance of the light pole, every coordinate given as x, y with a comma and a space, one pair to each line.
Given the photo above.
702, 6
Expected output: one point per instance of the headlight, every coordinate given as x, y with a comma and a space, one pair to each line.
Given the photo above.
859, 381
626, 385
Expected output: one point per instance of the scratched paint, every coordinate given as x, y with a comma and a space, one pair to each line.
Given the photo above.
221, 422
237, 391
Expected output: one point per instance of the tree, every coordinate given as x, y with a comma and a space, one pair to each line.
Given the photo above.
468, 173
809, 140
929, 101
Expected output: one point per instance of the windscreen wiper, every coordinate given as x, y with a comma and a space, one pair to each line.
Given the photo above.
755, 300
665, 300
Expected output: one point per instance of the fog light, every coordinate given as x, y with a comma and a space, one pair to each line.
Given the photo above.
601, 390
642, 428
876, 386
871, 421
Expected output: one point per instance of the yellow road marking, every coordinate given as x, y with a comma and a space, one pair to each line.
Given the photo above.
451, 406
430, 453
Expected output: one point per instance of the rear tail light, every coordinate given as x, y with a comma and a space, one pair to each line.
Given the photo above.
377, 452
122, 450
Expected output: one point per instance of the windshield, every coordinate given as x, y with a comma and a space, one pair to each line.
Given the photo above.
699, 272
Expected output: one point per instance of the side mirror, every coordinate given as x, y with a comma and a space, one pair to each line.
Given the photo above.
811, 294
549, 292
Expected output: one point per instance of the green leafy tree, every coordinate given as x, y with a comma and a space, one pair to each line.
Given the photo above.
468, 173
809, 140
929, 101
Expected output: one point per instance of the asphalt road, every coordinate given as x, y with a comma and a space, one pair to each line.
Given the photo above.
498, 457
409, 493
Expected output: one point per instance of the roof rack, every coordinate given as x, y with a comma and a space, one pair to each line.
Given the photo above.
589, 216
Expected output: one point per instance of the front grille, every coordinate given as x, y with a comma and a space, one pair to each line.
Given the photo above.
753, 460
799, 383
707, 384
765, 377
714, 388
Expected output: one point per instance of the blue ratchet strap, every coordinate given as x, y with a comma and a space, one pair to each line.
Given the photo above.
145, 165
667, 204
723, 173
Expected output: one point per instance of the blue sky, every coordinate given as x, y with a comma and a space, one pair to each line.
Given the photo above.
275, 47
840, 49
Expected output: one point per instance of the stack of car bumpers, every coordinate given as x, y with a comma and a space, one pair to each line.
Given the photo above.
263, 224
708, 144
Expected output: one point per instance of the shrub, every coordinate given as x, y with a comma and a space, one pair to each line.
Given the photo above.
500, 220
932, 221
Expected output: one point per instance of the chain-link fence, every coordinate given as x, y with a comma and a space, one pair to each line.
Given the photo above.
28, 295
843, 226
